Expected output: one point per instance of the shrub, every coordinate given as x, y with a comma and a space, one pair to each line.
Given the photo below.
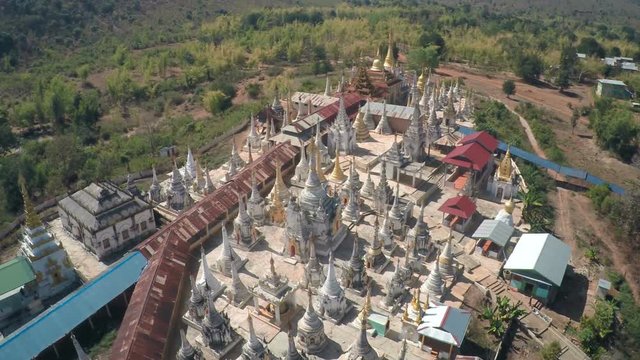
213, 101
551, 351
254, 90
528, 67
509, 87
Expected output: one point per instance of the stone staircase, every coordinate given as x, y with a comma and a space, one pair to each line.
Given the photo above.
497, 287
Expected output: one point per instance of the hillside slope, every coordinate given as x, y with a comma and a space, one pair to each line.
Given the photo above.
617, 12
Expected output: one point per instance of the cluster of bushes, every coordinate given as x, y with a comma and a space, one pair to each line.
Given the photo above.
615, 128
541, 125
536, 210
595, 331
495, 118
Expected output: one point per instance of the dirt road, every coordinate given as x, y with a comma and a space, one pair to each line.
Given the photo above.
576, 221
581, 150
546, 96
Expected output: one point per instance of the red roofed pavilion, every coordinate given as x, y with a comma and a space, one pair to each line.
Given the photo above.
458, 212
473, 161
483, 138
472, 156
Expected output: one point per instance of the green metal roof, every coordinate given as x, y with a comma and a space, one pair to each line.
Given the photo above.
14, 274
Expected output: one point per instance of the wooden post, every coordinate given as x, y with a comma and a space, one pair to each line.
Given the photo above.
55, 349
91, 323
126, 301
108, 311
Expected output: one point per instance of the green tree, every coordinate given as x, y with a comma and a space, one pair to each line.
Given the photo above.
591, 47
551, 351
120, 87
120, 55
562, 79
83, 72
7, 139
254, 90
528, 67
58, 100
420, 58
590, 68
595, 330
615, 128
214, 101
509, 88
431, 38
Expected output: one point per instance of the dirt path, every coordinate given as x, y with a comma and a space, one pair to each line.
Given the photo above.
576, 220
581, 150
548, 97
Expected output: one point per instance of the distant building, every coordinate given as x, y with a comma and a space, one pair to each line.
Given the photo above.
622, 63
18, 291
613, 88
105, 218
537, 265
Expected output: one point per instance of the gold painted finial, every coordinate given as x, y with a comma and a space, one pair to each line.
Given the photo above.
389, 60
505, 169
337, 175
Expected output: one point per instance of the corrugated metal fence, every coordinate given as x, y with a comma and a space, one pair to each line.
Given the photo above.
547, 164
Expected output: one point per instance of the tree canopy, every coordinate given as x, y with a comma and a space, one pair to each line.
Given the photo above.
420, 58
615, 128
529, 67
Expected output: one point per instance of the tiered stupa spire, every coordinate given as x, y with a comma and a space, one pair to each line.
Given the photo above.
383, 125
368, 117
362, 132
337, 175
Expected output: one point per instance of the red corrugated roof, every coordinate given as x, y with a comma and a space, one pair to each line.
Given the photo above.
224, 198
460, 206
469, 156
483, 138
147, 322
351, 102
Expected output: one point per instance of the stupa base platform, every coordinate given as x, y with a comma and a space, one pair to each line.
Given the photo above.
247, 247
217, 353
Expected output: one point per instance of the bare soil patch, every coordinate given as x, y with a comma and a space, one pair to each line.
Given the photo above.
578, 224
580, 148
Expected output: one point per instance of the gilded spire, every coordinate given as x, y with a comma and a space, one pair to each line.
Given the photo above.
364, 313
31, 219
415, 302
377, 63
505, 169
421, 81
389, 60
337, 175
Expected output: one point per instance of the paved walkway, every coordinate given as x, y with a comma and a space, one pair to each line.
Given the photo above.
87, 265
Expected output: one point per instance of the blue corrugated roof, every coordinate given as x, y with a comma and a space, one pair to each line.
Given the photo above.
61, 318
576, 173
537, 160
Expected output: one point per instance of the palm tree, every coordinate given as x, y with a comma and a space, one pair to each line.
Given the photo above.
530, 201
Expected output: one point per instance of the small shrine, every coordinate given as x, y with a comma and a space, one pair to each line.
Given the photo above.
276, 293
245, 234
